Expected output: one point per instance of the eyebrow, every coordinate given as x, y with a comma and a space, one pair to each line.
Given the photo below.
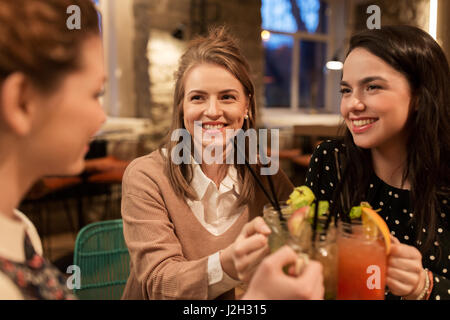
222, 91
365, 80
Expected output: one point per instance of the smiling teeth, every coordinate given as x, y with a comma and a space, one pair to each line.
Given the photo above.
359, 123
213, 127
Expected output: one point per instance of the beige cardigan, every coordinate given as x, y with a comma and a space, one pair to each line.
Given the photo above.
169, 247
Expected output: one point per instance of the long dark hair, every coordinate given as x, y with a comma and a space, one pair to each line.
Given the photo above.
420, 59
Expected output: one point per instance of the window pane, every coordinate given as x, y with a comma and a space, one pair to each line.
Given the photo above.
277, 73
295, 15
313, 56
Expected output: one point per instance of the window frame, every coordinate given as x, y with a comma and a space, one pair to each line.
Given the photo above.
295, 81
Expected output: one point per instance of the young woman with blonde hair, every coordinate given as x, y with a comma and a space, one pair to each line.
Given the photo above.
186, 224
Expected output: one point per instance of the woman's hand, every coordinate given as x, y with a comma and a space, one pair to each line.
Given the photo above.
271, 283
405, 275
241, 258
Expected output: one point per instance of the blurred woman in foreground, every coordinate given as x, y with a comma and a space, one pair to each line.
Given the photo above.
50, 81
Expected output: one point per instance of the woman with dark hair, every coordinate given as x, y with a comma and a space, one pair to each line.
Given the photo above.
50, 81
186, 223
396, 153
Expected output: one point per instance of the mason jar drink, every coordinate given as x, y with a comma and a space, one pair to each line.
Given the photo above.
361, 264
324, 249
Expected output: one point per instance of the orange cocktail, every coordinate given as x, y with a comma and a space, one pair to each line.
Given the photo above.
361, 264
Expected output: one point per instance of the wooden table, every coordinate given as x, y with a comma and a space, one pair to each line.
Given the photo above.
105, 170
319, 130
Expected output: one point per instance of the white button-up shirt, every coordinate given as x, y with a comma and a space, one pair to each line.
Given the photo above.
215, 207
216, 211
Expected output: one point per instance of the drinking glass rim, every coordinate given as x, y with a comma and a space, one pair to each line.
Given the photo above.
354, 224
269, 206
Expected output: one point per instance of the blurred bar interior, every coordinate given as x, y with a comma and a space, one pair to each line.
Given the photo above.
289, 44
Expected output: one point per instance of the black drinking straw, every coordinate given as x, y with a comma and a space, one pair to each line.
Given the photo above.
340, 189
338, 166
258, 181
316, 218
274, 195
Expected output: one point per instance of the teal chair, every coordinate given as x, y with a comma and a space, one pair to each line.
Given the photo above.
104, 261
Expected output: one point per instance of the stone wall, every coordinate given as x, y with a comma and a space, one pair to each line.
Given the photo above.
156, 51
443, 27
411, 12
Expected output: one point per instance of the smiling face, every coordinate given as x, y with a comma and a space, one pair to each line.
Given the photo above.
375, 100
215, 97
68, 118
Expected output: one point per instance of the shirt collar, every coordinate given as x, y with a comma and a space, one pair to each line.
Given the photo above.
200, 182
12, 235
230, 181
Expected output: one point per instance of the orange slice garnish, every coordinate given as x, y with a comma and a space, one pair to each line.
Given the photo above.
373, 223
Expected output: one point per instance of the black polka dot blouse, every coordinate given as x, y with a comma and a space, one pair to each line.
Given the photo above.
396, 210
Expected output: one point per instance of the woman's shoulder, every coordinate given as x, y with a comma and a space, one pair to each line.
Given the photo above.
281, 177
150, 164
31, 231
9, 290
330, 146
146, 173
322, 172
325, 152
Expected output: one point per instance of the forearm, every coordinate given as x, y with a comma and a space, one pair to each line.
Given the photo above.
227, 264
171, 280
219, 281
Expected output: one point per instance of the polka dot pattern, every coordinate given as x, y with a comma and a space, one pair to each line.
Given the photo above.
396, 210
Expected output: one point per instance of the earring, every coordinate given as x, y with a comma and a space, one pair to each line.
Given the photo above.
246, 117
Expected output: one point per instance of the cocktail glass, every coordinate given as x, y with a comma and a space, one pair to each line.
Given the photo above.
361, 263
324, 249
280, 235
